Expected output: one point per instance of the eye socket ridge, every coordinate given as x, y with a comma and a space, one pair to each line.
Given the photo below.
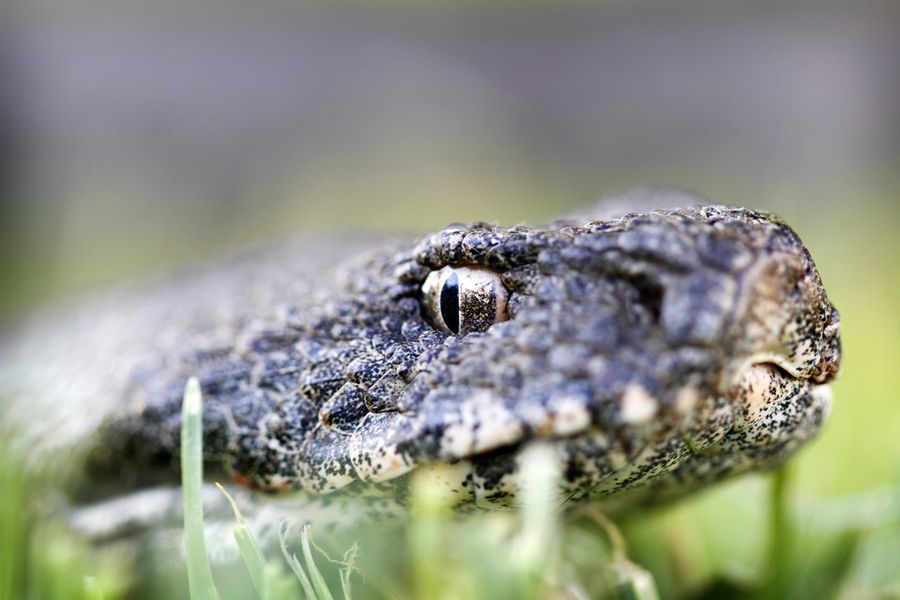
464, 299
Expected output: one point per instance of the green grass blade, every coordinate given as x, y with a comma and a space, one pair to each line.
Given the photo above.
347, 571
634, 583
322, 591
250, 552
345, 584
536, 542
13, 536
200, 579
252, 557
781, 533
279, 585
295, 565
92, 589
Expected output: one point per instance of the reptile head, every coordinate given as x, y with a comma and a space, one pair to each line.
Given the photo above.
653, 352
656, 351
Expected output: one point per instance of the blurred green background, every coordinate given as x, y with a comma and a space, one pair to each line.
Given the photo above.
144, 136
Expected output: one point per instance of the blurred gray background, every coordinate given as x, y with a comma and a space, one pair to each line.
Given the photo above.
143, 135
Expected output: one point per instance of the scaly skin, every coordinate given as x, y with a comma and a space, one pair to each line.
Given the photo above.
654, 353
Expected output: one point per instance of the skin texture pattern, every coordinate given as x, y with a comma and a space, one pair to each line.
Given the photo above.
654, 351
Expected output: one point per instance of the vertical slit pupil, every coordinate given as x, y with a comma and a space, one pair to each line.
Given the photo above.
450, 303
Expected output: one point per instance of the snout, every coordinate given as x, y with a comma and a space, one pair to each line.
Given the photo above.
771, 407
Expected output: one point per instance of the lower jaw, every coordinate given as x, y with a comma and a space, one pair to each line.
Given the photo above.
701, 470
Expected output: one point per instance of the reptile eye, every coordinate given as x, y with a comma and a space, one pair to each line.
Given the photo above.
464, 299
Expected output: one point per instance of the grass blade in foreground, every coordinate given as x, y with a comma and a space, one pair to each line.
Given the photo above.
199, 574
250, 551
292, 561
316, 578
13, 532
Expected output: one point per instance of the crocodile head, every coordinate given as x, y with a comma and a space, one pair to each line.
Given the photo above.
653, 352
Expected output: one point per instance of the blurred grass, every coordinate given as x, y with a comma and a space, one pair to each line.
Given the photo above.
40, 558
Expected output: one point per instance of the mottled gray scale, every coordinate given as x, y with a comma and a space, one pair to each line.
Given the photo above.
656, 461
661, 243
280, 372
724, 251
510, 254
708, 423
408, 270
373, 447
589, 460
326, 464
698, 310
654, 351
322, 380
274, 341
384, 394
412, 395
519, 278
366, 369
476, 243
345, 409
493, 479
